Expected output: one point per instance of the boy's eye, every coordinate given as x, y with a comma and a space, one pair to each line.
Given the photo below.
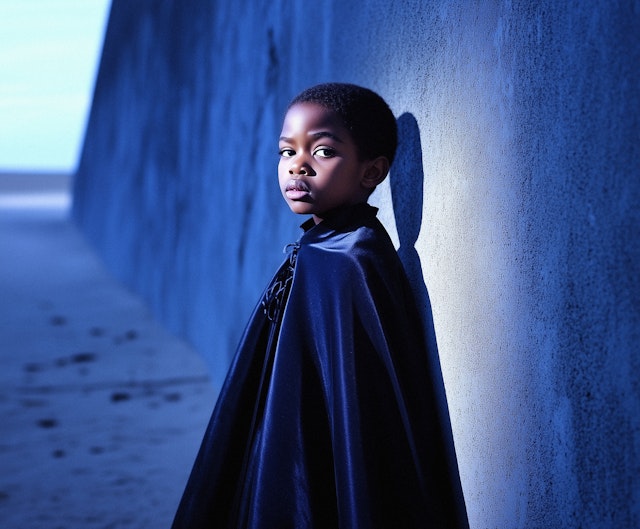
325, 152
286, 152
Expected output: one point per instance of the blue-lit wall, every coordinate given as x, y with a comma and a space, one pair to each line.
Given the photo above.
518, 183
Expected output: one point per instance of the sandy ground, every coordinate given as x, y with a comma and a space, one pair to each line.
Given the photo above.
101, 410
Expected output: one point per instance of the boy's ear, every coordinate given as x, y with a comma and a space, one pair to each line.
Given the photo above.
376, 172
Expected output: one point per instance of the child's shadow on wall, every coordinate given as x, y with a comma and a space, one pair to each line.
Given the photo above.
407, 181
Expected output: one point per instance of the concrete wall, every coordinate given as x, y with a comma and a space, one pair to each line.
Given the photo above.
518, 184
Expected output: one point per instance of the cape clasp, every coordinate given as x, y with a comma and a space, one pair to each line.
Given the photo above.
276, 296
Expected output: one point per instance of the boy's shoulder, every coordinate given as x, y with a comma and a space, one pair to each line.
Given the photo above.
357, 261
358, 243
356, 229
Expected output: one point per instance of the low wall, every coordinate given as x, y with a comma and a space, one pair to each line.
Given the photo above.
514, 203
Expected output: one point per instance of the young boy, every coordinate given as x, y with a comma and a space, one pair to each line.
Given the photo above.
328, 416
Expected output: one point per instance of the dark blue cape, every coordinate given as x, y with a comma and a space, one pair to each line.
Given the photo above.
328, 419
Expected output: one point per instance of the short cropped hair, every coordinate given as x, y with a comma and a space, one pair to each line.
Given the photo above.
365, 114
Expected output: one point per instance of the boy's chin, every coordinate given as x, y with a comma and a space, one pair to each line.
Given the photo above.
300, 208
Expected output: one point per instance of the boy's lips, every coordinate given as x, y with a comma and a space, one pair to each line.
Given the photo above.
296, 189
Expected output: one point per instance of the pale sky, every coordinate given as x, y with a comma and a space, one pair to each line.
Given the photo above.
49, 55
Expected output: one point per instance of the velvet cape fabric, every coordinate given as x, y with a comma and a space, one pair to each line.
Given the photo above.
328, 419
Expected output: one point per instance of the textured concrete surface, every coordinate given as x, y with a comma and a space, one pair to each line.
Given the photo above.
514, 203
101, 410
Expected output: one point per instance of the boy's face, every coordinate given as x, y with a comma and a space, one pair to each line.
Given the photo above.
319, 165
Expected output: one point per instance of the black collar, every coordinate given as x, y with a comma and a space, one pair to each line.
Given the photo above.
339, 218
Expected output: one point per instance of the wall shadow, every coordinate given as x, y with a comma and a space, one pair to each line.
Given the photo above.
407, 183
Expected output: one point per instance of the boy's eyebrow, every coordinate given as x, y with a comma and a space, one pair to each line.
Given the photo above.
316, 135
326, 134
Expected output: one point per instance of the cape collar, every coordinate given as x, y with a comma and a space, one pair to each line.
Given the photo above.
345, 218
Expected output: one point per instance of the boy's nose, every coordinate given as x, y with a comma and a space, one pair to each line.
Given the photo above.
301, 168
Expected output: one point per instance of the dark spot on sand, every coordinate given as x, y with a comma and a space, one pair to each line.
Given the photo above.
61, 362
58, 453
95, 450
96, 331
78, 358
32, 367
57, 320
81, 358
4, 495
120, 396
128, 336
47, 423
173, 397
